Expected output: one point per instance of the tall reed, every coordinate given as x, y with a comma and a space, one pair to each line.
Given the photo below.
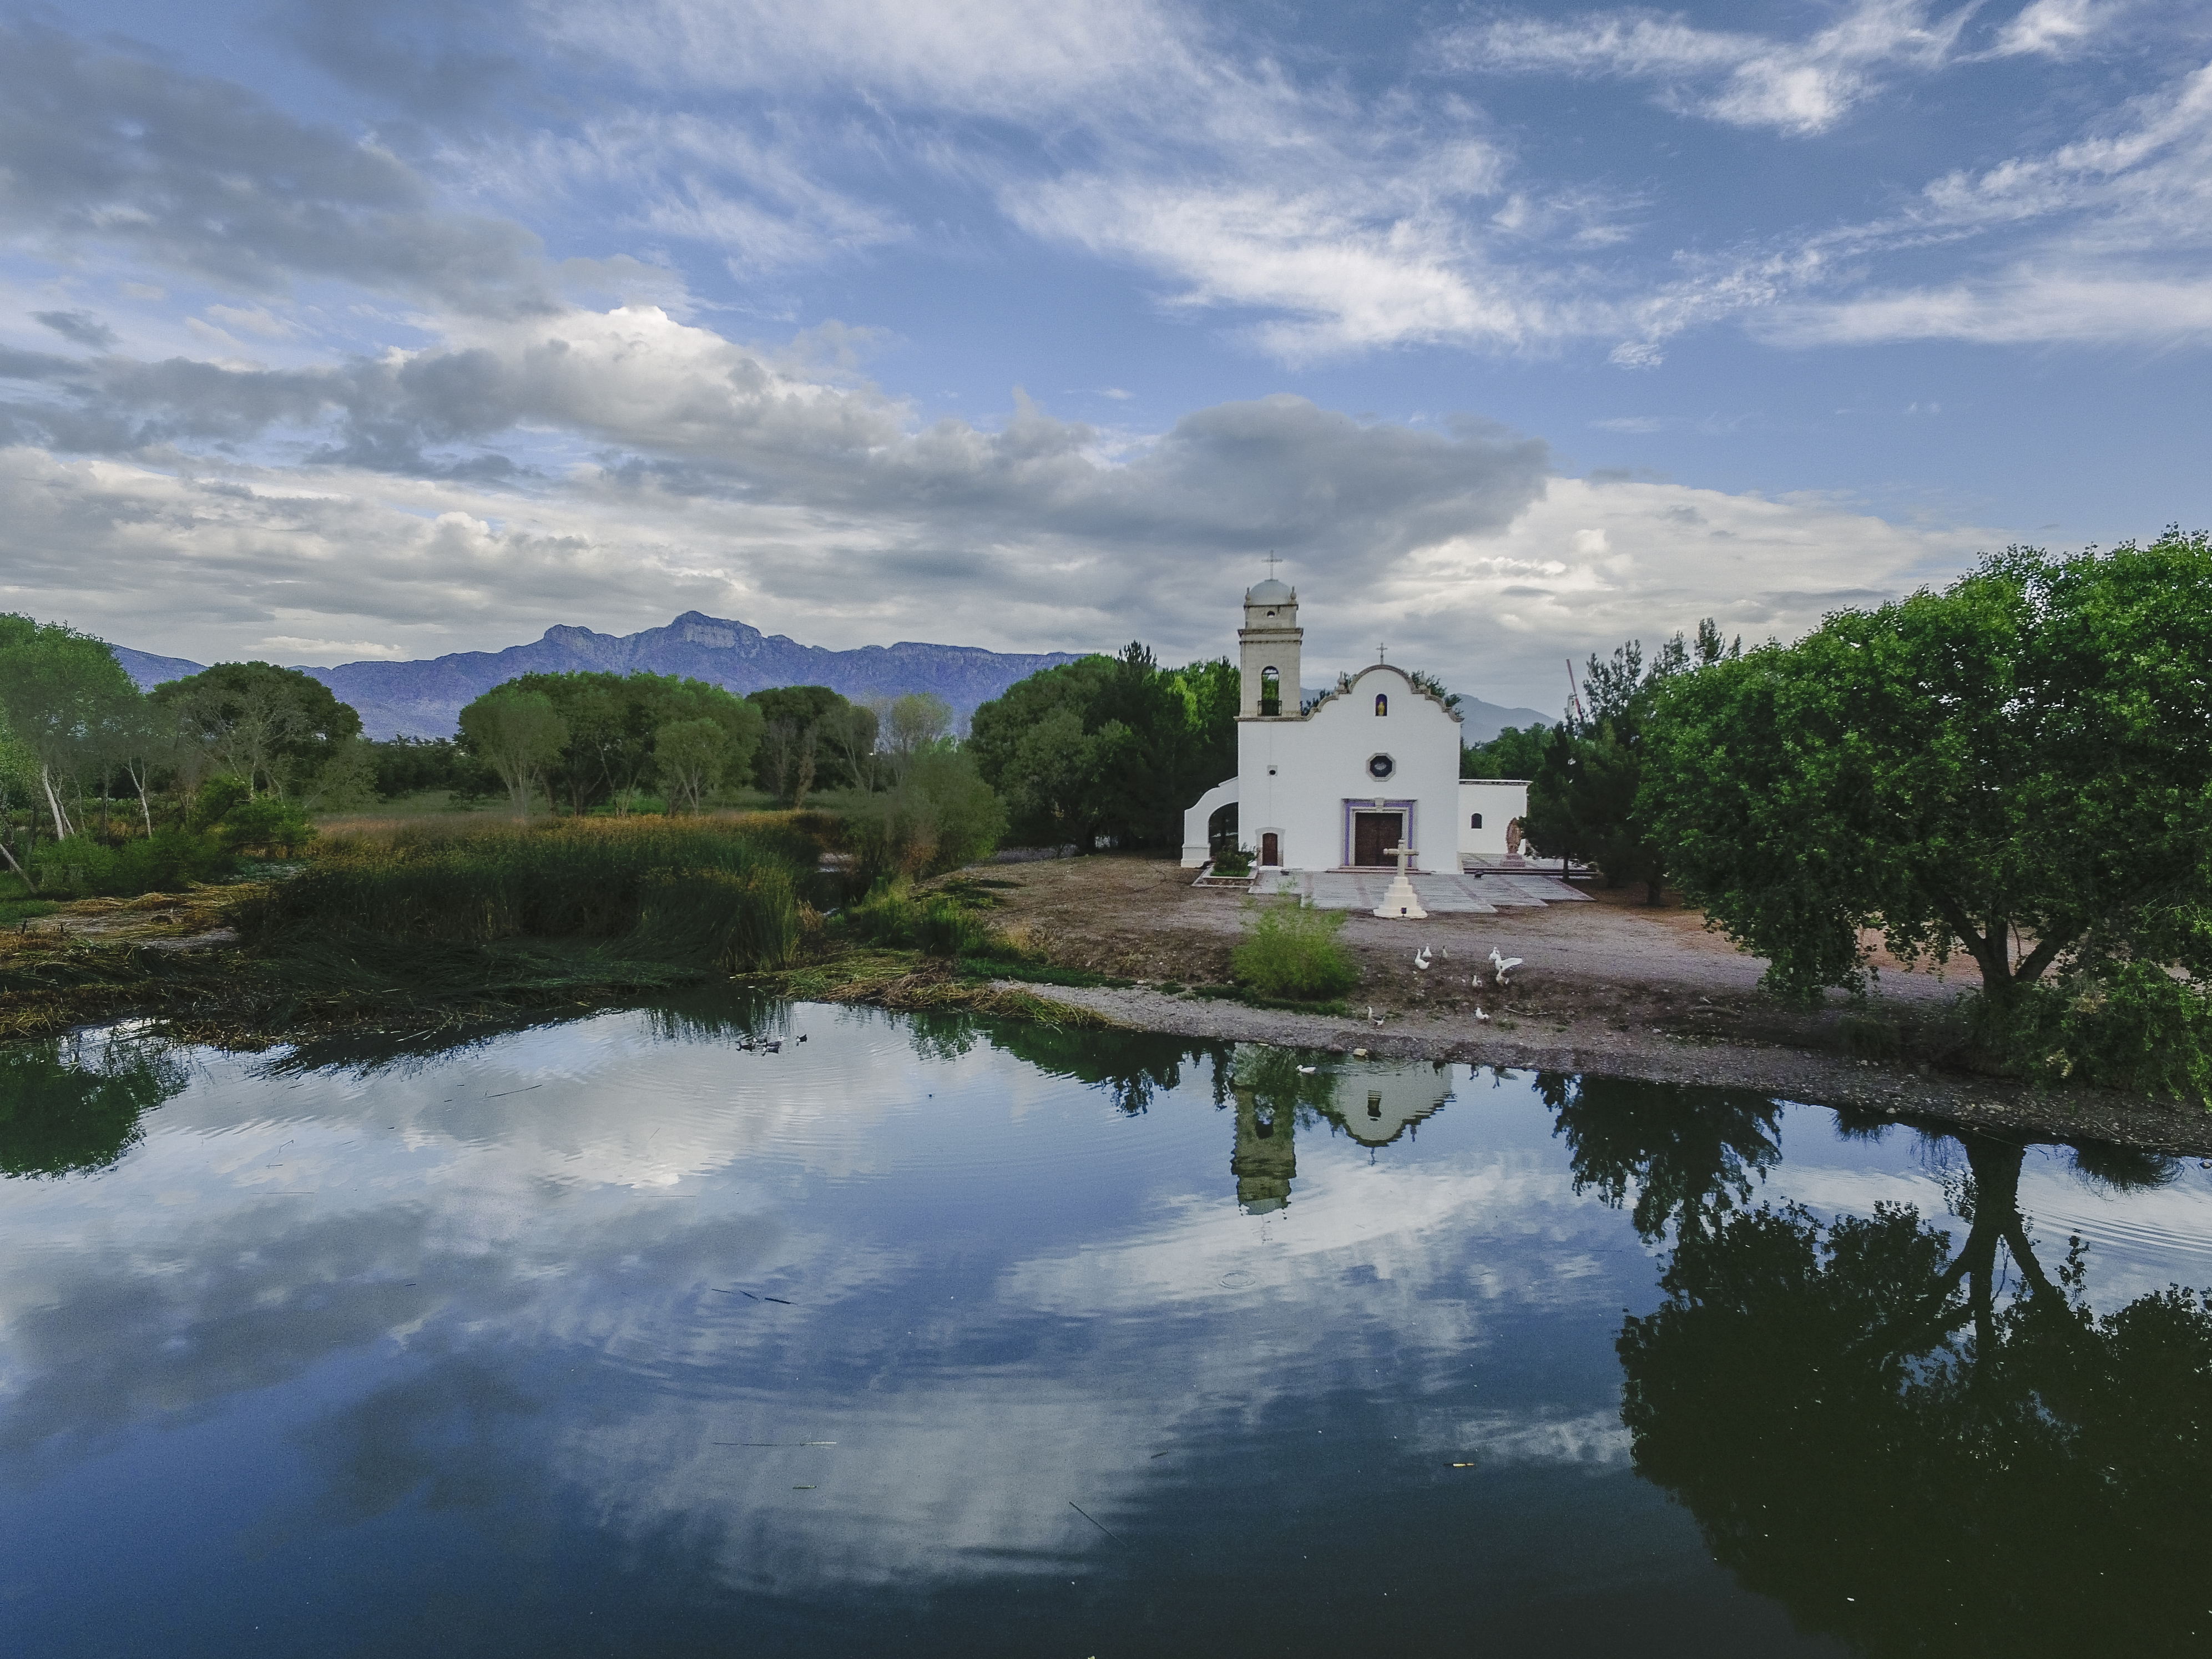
719, 893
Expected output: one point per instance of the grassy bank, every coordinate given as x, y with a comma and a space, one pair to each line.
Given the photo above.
426, 925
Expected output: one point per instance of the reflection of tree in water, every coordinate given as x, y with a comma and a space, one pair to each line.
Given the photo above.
73, 1103
1919, 1449
1135, 1067
1690, 1153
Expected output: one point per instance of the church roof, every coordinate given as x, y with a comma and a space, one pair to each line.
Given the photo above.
1269, 592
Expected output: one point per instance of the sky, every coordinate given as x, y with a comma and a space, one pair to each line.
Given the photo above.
389, 328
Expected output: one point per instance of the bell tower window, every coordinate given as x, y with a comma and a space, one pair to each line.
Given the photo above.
1271, 691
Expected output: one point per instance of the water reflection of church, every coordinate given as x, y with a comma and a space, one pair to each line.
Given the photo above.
1374, 1102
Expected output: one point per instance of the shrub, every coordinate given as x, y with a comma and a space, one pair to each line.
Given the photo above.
215, 799
163, 862
947, 929
2122, 1025
885, 916
276, 828
941, 815
1291, 953
937, 926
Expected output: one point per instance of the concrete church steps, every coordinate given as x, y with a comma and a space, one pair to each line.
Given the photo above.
1440, 893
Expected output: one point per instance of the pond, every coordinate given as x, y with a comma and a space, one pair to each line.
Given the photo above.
710, 1328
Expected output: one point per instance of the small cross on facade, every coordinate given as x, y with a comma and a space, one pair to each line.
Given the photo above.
1382, 654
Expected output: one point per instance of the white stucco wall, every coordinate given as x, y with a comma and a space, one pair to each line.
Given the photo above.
1496, 802
1294, 776
1196, 846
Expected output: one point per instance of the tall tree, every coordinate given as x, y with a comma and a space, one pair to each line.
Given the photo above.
807, 733
1584, 798
613, 723
1515, 752
64, 696
2019, 765
275, 727
911, 725
689, 757
520, 735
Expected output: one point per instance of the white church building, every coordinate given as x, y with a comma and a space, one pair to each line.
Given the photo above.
1341, 783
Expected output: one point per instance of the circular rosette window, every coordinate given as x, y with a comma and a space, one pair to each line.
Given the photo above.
1380, 767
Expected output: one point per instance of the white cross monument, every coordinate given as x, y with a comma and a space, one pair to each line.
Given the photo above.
1401, 901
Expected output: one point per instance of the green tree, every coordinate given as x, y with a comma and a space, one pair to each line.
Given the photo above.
613, 723
66, 699
688, 758
346, 782
852, 740
2019, 765
1585, 795
519, 734
1109, 747
911, 725
275, 727
741, 723
1515, 752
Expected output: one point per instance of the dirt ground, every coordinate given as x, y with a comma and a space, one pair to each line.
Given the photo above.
162, 921
1616, 987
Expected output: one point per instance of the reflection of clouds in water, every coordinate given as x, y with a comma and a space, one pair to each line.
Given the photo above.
1596, 1439
972, 1472
1415, 1223
591, 1196
972, 1475
499, 1207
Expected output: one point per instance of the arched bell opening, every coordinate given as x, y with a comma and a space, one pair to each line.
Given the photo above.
1271, 692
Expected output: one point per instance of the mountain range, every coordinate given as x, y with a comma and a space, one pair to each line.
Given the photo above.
424, 699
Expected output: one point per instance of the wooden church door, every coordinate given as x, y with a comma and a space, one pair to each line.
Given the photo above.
1373, 835
1271, 851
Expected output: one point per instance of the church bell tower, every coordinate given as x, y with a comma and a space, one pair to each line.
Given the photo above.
1267, 652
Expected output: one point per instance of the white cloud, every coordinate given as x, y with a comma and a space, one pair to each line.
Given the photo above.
1800, 86
1008, 59
2051, 28
2105, 240
1456, 549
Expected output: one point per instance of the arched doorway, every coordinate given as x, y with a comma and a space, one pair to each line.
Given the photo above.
1221, 830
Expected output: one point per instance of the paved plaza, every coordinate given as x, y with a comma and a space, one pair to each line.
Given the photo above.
1471, 894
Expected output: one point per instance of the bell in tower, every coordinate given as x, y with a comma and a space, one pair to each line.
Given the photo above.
1268, 647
